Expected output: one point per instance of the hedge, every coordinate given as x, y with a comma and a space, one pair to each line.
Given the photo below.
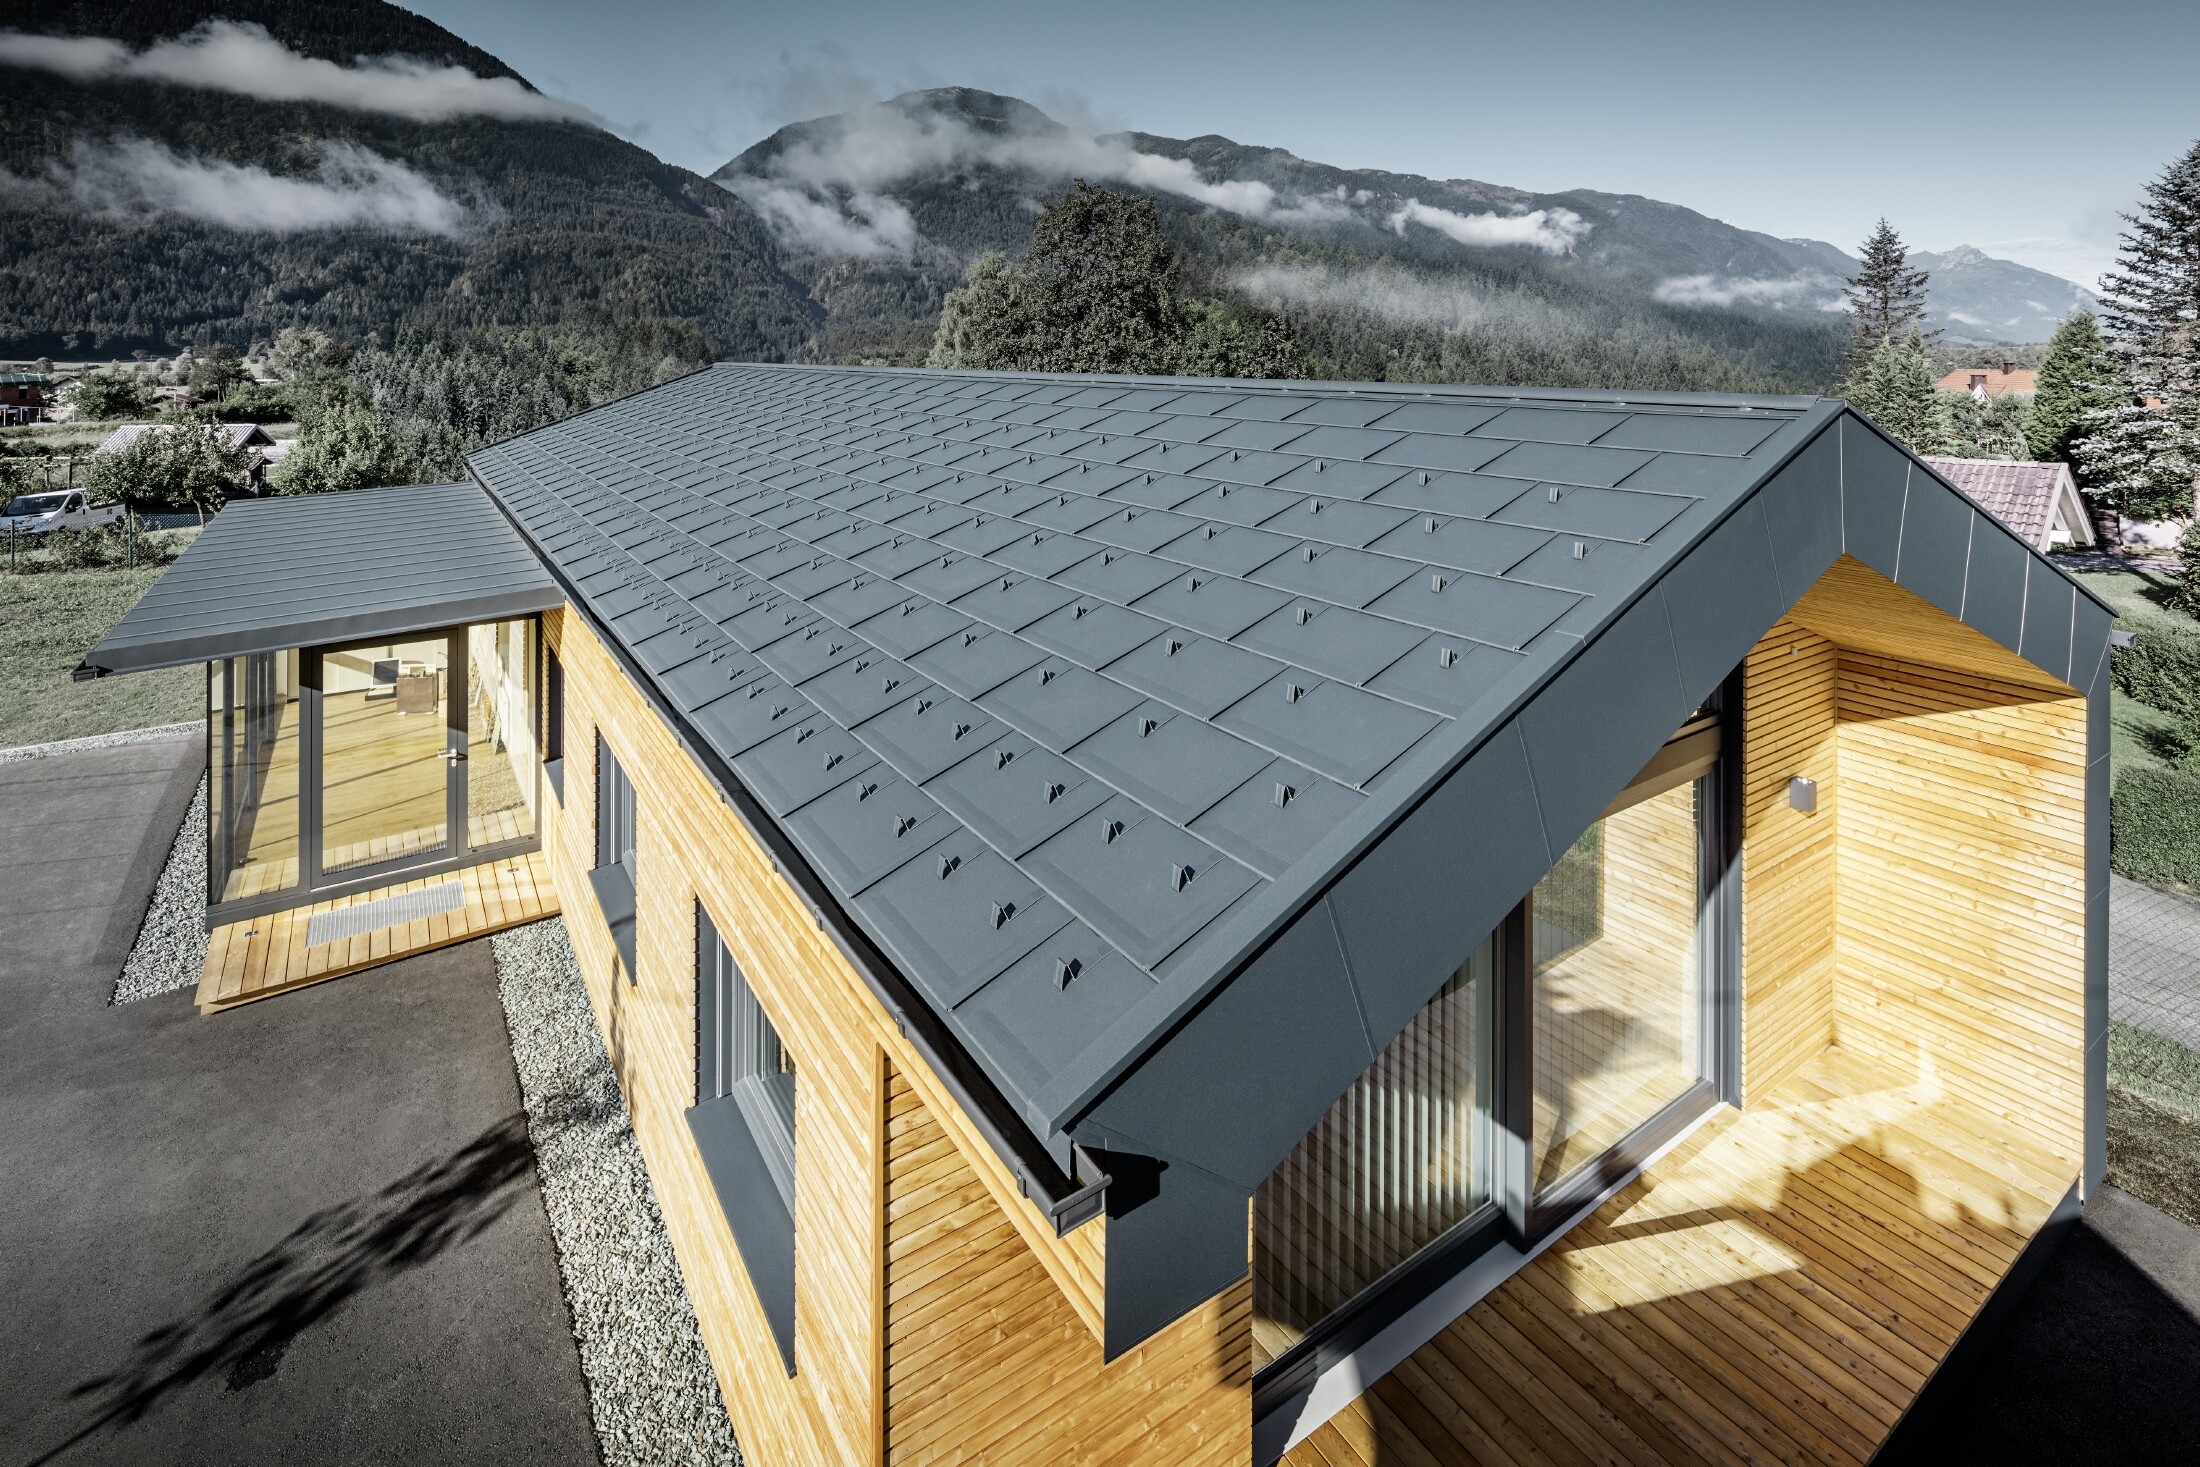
2154, 825
2161, 668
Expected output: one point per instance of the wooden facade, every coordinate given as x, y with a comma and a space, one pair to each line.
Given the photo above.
934, 1307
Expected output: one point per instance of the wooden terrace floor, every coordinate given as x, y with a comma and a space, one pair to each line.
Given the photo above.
1776, 1289
261, 956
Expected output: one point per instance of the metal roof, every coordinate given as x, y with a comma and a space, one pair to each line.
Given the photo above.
1176, 738
267, 574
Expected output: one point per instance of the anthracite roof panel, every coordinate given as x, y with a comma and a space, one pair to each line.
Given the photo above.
1468, 545
271, 574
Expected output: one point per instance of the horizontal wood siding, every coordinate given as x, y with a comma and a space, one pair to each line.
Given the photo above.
691, 845
1789, 894
1962, 927
987, 1362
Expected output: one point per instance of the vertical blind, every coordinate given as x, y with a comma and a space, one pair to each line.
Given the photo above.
1395, 1164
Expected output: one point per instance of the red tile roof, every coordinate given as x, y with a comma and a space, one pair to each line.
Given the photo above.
2020, 495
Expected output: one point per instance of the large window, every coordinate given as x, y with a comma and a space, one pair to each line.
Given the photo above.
743, 1122
1576, 1038
1617, 986
253, 771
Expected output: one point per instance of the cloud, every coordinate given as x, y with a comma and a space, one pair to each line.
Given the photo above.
855, 158
1730, 290
868, 226
352, 189
1554, 231
223, 56
1396, 294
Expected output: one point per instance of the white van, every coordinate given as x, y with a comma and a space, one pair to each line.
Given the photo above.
61, 509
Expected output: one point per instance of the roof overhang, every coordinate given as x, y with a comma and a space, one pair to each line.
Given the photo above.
271, 574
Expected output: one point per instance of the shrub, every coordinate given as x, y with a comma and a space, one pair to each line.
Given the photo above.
2154, 826
2185, 595
2161, 668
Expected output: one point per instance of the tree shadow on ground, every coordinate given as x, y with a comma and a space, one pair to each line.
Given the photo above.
243, 1328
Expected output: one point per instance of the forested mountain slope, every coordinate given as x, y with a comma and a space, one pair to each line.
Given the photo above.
141, 213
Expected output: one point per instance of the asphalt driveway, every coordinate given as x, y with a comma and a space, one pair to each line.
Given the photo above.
304, 1230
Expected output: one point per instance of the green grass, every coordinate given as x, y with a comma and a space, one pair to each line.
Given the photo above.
2135, 596
2140, 735
48, 622
2154, 1121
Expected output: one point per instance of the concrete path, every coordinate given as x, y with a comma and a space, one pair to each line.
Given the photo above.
304, 1231
2154, 961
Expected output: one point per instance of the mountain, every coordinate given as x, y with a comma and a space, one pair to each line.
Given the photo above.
882, 207
141, 212
1978, 298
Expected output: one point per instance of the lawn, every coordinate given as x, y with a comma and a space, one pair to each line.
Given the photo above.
47, 623
2135, 596
2154, 1121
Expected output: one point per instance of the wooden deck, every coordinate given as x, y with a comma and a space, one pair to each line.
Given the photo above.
1777, 1289
262, 956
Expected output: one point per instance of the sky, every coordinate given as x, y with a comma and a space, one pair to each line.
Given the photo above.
2021, 127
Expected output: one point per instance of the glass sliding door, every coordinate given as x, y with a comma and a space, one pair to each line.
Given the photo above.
390, 740
1399, 1162
500, 733
1616, 993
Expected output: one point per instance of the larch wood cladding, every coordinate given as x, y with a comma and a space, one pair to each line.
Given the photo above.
691, 846
986, 1361
1790, 900
1931, 911
1962, 919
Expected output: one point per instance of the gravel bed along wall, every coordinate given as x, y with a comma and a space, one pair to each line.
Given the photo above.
170, 951
650, 1384
104, 741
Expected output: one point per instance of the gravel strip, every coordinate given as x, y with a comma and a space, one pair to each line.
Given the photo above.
650, 1384
104, 741
170, 951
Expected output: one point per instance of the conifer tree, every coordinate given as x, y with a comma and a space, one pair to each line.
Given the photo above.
2144, 455
2076, 378
1894, 388
1886, 296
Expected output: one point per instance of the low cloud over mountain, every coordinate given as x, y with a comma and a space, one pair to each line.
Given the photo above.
223, 56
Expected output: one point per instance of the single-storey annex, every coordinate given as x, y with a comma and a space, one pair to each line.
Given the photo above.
1184, 920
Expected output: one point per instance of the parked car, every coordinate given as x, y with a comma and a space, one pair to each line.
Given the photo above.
62, 509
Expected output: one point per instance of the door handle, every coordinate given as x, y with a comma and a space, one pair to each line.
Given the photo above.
453, 755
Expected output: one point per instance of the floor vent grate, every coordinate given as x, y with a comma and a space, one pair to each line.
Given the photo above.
389, 911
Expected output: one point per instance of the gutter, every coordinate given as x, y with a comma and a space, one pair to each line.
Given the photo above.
1067, 1201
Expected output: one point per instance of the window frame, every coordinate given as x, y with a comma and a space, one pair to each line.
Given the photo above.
733, 1127
1515, 1217
614, 878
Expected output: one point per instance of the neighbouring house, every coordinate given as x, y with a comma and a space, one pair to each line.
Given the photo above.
239, 435
2038, 501
1985, 382
23, 397
1200, 921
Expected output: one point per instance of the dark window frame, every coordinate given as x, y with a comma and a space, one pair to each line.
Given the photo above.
553, 718
744, 1125
615, 874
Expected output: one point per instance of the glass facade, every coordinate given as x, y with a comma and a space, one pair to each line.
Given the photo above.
1399, 1161
252, 776
1616, 993
328, 765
